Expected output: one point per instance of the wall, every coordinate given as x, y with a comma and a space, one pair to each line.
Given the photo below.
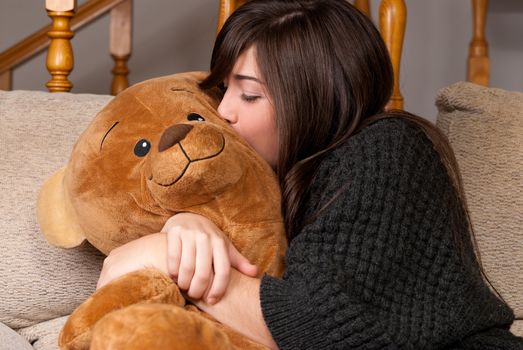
177, 35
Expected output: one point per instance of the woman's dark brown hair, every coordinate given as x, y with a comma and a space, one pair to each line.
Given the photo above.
328, 72
325, 67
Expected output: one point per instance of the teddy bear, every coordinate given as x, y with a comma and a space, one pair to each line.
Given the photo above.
157, 149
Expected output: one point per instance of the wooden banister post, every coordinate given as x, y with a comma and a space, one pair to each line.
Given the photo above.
478, 63
226, 8
120, 42
60, 61
5, 80
393, 16
363, 6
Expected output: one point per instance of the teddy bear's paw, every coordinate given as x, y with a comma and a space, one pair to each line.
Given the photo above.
146, 285
157, 326
143, 286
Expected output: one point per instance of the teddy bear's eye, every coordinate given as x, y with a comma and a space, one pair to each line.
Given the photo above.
195, 117
142, 147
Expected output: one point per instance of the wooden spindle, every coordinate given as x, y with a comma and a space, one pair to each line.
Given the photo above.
363, 6
226, 8
478, 63
60, 61
393, 16
120, 39
120, 73
6, 80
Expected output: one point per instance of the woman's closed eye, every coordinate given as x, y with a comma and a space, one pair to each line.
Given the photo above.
249, 98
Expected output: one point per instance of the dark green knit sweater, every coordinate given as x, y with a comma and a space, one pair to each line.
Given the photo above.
379, 268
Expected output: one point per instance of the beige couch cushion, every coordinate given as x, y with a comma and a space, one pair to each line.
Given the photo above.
485, 128
44, 335
10, 340
37, 132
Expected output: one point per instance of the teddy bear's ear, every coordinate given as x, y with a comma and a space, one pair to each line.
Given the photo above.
55, 214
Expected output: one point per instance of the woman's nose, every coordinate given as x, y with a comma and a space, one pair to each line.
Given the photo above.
225, 110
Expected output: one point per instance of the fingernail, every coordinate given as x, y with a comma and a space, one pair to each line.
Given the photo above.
211, 301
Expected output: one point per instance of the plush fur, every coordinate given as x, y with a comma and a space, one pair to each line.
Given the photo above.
157, 149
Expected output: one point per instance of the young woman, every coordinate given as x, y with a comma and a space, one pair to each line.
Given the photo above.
380, 248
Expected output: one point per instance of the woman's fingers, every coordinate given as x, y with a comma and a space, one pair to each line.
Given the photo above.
174, 255
187, 264
222, 271
203, 267
200, 257
240, 263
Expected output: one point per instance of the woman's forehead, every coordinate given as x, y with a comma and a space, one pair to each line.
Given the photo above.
246, 67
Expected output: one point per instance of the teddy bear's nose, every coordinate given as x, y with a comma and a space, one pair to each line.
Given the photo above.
172, 135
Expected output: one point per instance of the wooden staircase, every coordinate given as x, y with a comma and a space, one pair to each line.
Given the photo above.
56, 36
66, 20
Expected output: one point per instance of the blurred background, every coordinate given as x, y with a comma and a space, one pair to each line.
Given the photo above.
171, 36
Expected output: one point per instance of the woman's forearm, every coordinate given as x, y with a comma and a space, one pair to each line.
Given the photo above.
240, 309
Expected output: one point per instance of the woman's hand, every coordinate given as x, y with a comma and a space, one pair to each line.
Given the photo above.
240, 309
147, 251
200, 256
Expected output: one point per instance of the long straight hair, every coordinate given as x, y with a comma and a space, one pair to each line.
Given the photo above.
326, 69
329, 74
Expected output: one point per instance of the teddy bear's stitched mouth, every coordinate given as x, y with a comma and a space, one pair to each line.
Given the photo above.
189, 162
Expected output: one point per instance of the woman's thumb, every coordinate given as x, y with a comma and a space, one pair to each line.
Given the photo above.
240, 263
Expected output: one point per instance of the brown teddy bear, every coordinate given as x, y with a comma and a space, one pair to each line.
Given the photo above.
157, 149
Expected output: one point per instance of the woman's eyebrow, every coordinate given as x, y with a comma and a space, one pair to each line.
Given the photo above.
246, 77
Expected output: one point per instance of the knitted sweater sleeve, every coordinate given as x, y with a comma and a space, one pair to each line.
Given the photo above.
378, 267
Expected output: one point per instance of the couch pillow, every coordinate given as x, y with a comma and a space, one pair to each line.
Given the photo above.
37, 131
485, 129
12, 340
43, 335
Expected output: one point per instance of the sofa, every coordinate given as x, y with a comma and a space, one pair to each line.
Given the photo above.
485, 129
41, 284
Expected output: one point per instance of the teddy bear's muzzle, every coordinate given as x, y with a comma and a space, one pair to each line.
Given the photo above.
180, 146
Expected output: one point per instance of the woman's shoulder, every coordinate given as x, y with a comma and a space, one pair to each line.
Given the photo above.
391, 148
384, 141
390, 158
392, 131
388, 148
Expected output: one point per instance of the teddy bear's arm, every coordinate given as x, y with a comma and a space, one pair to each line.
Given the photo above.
143, 286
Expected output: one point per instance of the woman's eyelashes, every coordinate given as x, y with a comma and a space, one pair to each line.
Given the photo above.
250, 98
245, 97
